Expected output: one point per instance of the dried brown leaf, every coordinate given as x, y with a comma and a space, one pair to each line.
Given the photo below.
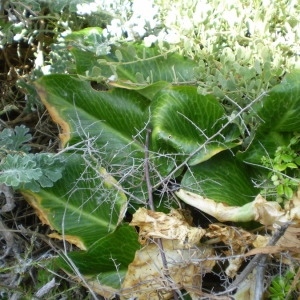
172, 226
146, 278
234, 237
267, 212
265, 250
261, 241
260, 210
238, 241
290, 241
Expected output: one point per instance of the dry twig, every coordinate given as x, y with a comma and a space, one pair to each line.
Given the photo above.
259, 262
166, 272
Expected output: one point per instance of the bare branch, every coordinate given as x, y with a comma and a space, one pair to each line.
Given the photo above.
258, 258
166, 272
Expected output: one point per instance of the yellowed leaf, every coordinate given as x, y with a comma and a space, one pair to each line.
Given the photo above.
91, 283
293, 208
186, 259
145, 278
34, 200
267, 212
261, 241
172, 226
70, 238
260, 210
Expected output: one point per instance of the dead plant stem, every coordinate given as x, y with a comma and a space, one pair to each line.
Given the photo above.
166, 272
147, 171
258, 258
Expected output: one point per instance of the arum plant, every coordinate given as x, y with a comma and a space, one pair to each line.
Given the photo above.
193, 141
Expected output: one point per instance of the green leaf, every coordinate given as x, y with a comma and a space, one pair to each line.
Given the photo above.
280, 189
223, 179
119, 55
86, 37
297, 160
86, 208
86, 204
90, 40
148, 91
30, 171
264, 144
291, 166
149, 63
288, 192
280, 109
107, 258
286, 157
279, 118
280, 167
183, 121
109, 124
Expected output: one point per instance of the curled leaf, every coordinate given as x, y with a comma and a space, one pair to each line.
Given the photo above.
172, 226
236, 238
260, 210
145, 278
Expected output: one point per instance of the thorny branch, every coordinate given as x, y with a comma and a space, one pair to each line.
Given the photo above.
147, 171
209, 139
151, 205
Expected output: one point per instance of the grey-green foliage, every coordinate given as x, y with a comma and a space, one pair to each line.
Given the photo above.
243, 47
20, 169
15, 140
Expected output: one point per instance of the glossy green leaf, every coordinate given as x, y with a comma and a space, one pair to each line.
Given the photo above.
280, 189
83, 205
223, 179
108, 258
297, 160
264, 144
108, 123
280, 109
148, 91
278, 113
288, 192
183, 121
139, 65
